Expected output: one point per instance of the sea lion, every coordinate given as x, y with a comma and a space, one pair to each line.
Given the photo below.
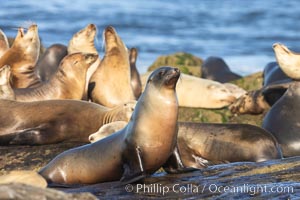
217, 95
288, 61
84, 41
136, 82
6, 92
215, 68
273, 73
49, 61
4, 45
282, 120
53, 121
141, 148
22, 57
67, 83
110, 85
202, 144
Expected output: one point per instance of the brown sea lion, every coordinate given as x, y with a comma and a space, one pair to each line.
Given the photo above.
288, 61
215, 68
141, 148
84, 41
53, 121
282, 120
136, 82
110, 85
4, 45
22, 57
67, 83
202, 144
49, 61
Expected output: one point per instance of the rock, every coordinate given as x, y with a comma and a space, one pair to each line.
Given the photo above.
275, 179
24, 176
187, 63
22, 191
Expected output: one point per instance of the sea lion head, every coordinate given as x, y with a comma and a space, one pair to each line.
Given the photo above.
77, 61
83, 40
29, 42
287, 60
164, 77
113, 42
221, 94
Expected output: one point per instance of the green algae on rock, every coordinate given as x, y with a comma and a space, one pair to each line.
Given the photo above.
186, 62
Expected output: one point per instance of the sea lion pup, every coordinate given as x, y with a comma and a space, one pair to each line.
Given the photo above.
141, 148
282, 120
136, 82
288, 60
22, 57
84, 41
202, 144
215, 68
67, 83
217, 95
4, 45
49, 61
110, 85
53, 121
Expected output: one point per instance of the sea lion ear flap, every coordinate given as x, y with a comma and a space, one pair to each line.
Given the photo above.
273, 92
20, 32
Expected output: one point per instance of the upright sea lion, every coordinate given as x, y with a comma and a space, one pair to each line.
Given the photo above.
202, 144
4, 46
84, 41
67, 83
136, 82
141, 148
282, 120
53, 121
217, 95
22, 57
49, 61
215, 68
110, 85
288, 61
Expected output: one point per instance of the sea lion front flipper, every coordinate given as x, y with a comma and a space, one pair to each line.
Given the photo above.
174, 164
133, 166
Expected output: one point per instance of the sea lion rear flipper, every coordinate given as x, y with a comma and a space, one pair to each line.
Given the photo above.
174, 164
31, 136
133, 166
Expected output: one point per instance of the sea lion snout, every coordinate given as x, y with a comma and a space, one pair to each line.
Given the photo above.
90, 57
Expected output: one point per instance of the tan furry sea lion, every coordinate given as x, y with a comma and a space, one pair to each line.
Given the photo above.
110, 85
53, 121
141, 148
67, 83
84, 41
203, 93
288, 60
4, 45
22, 57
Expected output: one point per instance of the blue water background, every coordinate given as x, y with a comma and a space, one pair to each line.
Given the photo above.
240, 31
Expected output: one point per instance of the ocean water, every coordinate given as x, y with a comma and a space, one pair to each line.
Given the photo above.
240, 31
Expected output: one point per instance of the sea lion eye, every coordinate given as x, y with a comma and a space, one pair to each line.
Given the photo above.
75, 62
161, 73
